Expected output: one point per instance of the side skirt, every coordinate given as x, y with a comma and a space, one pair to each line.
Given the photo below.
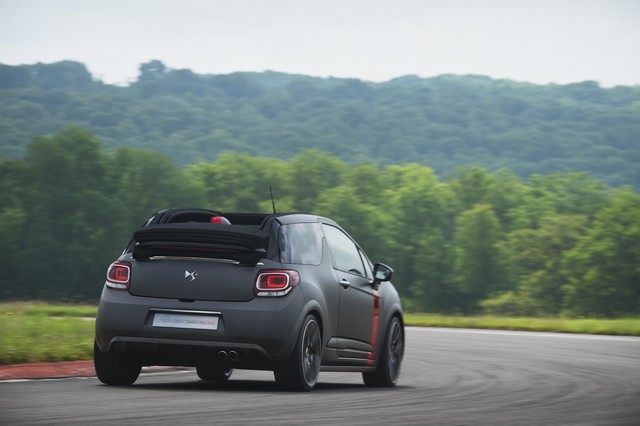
347, 368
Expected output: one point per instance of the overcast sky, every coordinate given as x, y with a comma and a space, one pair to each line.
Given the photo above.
539, 41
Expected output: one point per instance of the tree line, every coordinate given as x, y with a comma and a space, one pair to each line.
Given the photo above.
444, 122
478, 242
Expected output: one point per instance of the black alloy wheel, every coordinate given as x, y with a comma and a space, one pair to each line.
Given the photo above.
301, 372
388, 371
115, 368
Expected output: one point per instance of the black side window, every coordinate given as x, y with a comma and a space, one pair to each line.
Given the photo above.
345, 254
301, 243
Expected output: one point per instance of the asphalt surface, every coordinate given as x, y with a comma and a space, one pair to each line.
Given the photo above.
449, 377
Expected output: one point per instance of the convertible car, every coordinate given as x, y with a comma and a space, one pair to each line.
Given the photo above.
292, 293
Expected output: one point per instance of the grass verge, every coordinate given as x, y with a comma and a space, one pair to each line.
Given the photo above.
616, 327
40, 332
36, 332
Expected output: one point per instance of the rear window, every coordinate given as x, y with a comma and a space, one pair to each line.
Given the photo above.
301, 243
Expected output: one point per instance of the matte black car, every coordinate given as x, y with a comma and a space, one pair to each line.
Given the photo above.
292, 293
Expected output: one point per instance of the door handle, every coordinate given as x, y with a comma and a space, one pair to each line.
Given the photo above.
344, 283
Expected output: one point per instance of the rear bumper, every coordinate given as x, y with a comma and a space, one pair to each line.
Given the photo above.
260, 332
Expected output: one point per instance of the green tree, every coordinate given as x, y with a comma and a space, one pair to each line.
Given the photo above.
445, 122
12, 220
366, 223
604, 266
553, 244
144, 182
312, 172
533, 261
365, 179
420, 225
477, 269
240, 182
15, 180
471, 187
152, 70
65, 170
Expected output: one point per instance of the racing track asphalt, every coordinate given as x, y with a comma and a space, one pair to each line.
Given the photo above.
449, 377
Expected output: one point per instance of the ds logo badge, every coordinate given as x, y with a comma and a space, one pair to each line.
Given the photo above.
193, 275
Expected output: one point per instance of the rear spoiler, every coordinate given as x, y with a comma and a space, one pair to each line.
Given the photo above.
233, 242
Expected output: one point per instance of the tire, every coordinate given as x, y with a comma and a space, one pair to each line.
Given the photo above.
115, 368
214, 373
300, 372
388, 371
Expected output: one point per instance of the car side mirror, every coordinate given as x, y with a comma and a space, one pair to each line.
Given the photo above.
381, 272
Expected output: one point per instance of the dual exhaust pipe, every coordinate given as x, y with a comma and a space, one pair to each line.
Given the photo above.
231, 355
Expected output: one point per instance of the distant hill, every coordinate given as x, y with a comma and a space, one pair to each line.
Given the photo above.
443, 122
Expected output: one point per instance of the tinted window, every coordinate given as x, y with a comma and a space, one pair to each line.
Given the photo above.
346, 256
301, 243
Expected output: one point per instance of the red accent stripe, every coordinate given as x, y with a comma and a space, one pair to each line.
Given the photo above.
374, 325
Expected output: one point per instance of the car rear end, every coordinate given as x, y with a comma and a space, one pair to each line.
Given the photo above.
195, 293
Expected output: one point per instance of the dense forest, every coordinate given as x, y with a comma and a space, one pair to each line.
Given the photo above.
479, 241
442, 123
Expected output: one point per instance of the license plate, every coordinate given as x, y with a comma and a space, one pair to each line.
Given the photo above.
199, 322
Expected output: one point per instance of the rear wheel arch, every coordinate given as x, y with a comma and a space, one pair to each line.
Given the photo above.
318, 318
313, 308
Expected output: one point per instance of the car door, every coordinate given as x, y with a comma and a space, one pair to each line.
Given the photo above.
353, 276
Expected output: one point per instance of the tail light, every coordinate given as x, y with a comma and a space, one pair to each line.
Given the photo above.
119, 275
274, 283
